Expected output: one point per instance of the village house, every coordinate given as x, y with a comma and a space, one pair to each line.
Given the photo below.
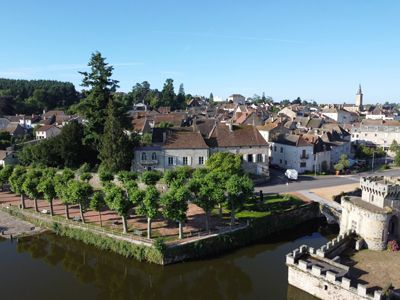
171, 148
26, 122
338, 139
237, 99
301, 152
339, 115
47, 131
15, 129
243, 140
4, 122
193, 145
8, 157
376, 133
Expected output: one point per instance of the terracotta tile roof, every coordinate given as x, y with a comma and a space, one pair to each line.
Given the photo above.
370, 122
164, 109
175, 119
294, 140
14, 128
205, 126
242, 117
240, 136
53, 113
184, 140
44, 128
268, 126
138, 124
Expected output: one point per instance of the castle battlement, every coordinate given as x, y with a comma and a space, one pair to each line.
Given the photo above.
384, 184
310, 270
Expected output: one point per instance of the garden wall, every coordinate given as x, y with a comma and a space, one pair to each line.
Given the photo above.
258, 229
158, 253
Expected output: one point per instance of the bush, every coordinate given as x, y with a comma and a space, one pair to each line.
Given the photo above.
105, 175
85, 168
125, 176
160, 245
387, 290
385, 167
393, 246
151, 177
86, 177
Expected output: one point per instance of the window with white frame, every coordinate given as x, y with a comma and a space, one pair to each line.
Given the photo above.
185, 160
201, 160
153, 156
170, 161
259, 157
144, 156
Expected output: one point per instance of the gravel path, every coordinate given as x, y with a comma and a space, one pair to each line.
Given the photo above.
11, 226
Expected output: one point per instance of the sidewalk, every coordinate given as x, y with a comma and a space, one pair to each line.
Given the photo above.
314, 197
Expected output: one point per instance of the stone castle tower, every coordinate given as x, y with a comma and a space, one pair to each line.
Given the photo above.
359, 97
375, 215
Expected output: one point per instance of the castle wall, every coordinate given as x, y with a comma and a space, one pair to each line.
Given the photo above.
372, 227
320, 287
321, 282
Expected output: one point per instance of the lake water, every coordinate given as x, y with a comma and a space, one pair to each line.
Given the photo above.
52, 267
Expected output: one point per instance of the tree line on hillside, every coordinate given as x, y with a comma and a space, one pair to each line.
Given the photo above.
220, 183
34, 96
143, 93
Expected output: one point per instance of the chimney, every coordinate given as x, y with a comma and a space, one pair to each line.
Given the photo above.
230, 125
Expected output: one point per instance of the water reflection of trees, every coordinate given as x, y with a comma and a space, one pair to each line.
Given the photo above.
118, 278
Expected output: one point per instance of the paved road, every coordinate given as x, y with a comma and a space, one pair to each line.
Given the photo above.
278, 181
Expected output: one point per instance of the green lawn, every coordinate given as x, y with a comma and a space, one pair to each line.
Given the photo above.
254, 208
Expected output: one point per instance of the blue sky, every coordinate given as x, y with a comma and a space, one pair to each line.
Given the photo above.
314, 49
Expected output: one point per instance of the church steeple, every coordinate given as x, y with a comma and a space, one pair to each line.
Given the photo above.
359, 92
359, 98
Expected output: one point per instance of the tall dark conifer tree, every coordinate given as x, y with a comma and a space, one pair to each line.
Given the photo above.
115, 148
94, 106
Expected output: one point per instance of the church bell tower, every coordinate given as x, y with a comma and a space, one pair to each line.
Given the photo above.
359, 98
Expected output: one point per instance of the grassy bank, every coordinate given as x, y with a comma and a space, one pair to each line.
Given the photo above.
127, 249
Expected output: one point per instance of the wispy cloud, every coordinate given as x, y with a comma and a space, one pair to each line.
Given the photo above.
232, 37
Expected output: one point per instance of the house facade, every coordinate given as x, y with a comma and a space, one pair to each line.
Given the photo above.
237, 99
179, 147
339, 115
171, 148
8, 157
303, 153
243, 140
47, 131
379, 133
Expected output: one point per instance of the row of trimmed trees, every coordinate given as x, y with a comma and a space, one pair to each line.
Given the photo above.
220, 183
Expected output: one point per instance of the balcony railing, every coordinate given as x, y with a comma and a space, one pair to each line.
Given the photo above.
149, 162
304, 156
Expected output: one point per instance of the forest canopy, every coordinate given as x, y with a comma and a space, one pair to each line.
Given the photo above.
33, 96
